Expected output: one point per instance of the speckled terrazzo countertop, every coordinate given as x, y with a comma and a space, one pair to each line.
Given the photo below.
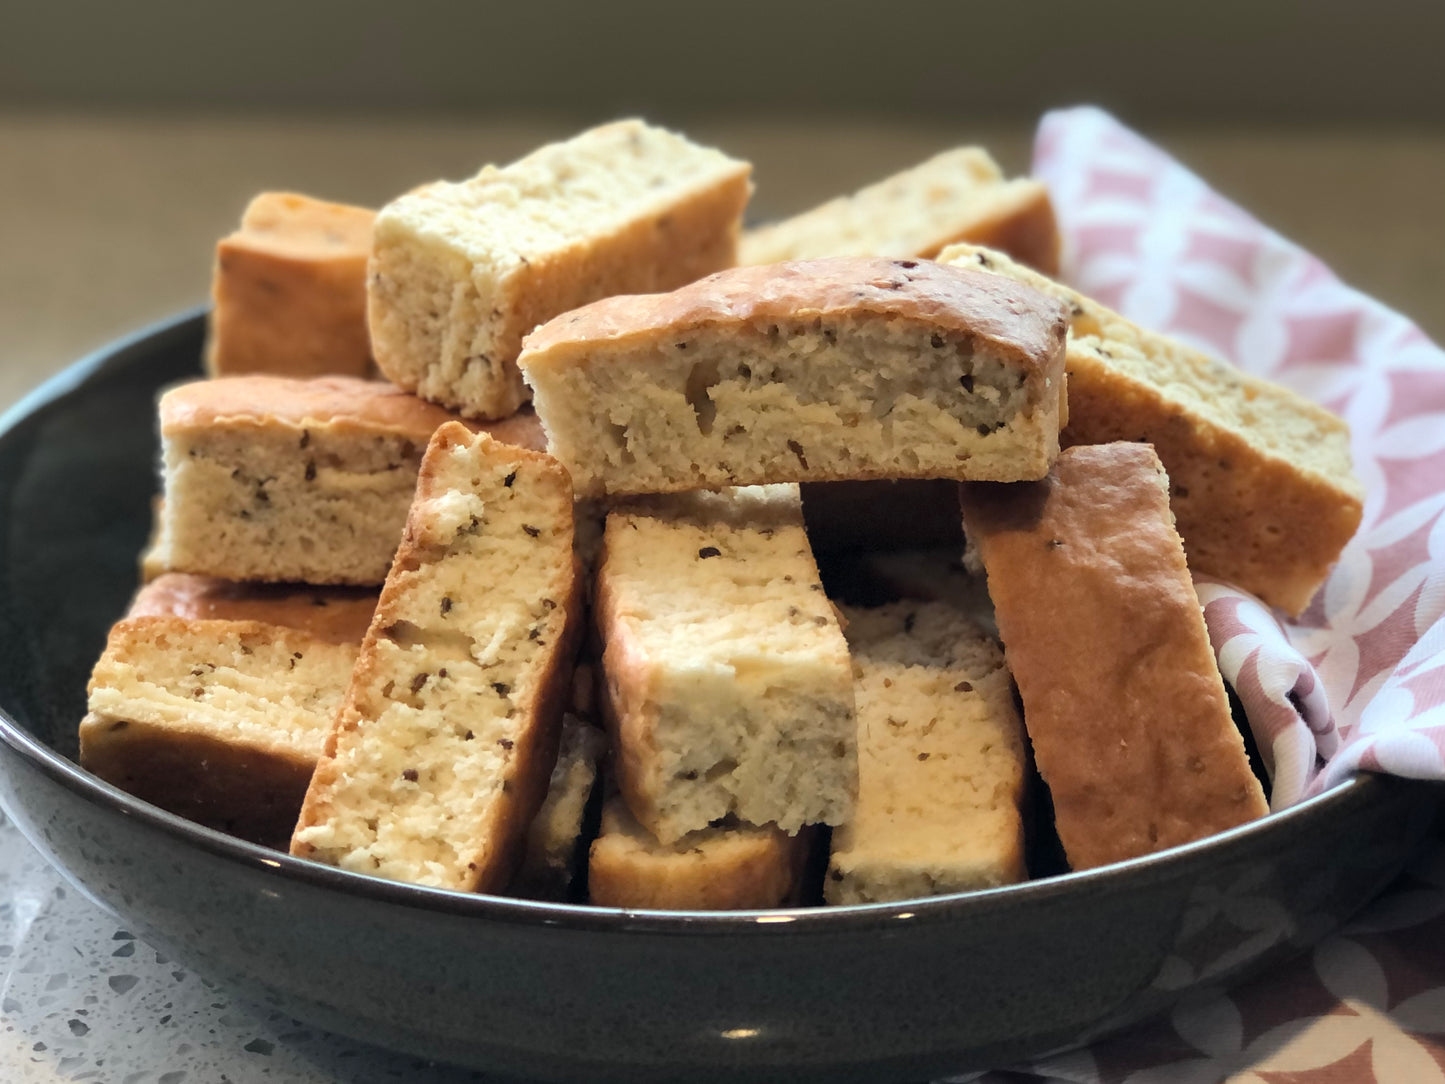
82, 999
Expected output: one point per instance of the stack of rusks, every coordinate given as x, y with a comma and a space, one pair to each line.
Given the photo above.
540, 611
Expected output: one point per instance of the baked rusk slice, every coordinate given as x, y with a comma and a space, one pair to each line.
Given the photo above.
1123, 700
289, 290
722, 868
959, 195
440, 755
941, 760
727, 684
1262, 484
554, 840
820, 370
460, 272
213, 699
277, 479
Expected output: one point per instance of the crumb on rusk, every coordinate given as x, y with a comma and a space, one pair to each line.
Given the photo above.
440, 756
818, 370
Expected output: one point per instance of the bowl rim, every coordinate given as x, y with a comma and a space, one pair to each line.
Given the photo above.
1358, 789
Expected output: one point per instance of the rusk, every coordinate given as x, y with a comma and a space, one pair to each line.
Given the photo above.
213, 699
1123, 700
289, 290
1262, 485
941, 760
821, 370
440, 756
724, 868
460, 272
727, 685
959, 195
275, 479
554, 840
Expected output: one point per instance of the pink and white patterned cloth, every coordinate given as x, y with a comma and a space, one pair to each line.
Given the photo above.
1358, 682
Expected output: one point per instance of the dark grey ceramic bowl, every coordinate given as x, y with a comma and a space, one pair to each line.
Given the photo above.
903, 991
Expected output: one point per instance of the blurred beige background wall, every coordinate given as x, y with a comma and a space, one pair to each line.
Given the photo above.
132, 132
1221, 60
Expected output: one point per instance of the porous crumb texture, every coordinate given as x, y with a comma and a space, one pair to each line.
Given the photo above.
728, 688
724, 868
440, 757
1262, 484
289, 480
555, 837
811, 371
941, 760
960, 195
241, 680
290, 290
220, 721
461, 271
251, 503
1123, 701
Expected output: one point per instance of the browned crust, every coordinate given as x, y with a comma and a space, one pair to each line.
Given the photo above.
1003, 316
768, 872
1023, 225
323, 401
628, 708
290, 290
1255, 520
288, 314
535, 749
1123, 700
334, 614
1248, 514
234, 787
134, 632
290, 222
701, 237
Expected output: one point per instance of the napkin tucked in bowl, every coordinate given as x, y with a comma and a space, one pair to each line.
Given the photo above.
1358, 682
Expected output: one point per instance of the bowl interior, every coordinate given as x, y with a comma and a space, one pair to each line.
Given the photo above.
77, 474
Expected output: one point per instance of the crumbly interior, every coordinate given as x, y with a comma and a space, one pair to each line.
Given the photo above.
1251, 462
1273, 418
300, 226
801, 400
242, 682
722, 868
726, 671
280, 502
448, 709
912, 213
941, 760
461, 271
548, 865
